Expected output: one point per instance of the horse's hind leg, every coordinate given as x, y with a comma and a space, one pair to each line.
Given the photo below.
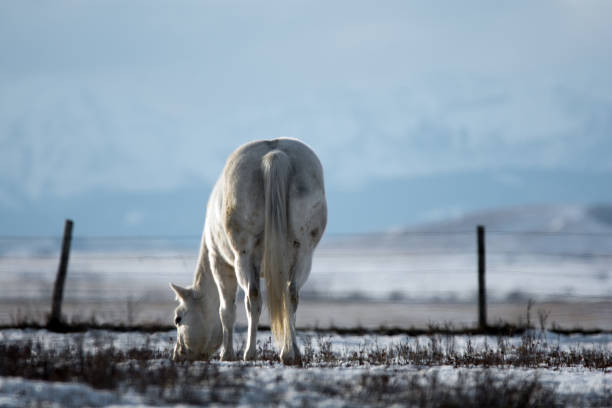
299, 274
226, 283
248, 277
294, 298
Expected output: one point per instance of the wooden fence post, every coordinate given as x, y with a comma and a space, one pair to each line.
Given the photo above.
482, 294
55, 318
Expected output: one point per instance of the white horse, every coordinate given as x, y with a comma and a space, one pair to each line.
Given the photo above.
265, 216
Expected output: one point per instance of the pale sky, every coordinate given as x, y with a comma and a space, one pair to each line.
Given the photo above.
145, 97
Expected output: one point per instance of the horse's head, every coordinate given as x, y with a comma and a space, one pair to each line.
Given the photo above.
198, 328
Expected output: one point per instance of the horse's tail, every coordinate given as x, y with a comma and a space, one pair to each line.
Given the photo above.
276, 169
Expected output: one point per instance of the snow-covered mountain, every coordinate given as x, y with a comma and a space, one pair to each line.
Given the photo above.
557, 228
537, 218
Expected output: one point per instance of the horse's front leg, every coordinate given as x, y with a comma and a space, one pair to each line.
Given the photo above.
226, 283
248, 278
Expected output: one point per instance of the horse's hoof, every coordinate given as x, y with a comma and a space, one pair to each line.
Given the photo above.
227, 356
294, 361
249, 355
291, 358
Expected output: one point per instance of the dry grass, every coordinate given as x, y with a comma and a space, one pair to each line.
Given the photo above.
31, 320
151, 373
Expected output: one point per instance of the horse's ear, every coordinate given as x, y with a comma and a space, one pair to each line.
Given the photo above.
181, 292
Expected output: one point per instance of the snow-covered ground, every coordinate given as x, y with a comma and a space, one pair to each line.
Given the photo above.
375, 273
345, 344
568, 257
545, 253
288, 387
318, 384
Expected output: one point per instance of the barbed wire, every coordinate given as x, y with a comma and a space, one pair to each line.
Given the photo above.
390, 235
339, 254
553, 233
119, 255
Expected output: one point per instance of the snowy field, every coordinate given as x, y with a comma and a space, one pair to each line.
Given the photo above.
347, 287
559, 256
537, 369
375, 268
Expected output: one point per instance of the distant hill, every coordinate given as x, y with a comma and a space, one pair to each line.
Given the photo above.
556, 228
538, 218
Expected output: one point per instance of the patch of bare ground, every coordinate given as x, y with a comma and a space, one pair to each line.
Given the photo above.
321, 313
